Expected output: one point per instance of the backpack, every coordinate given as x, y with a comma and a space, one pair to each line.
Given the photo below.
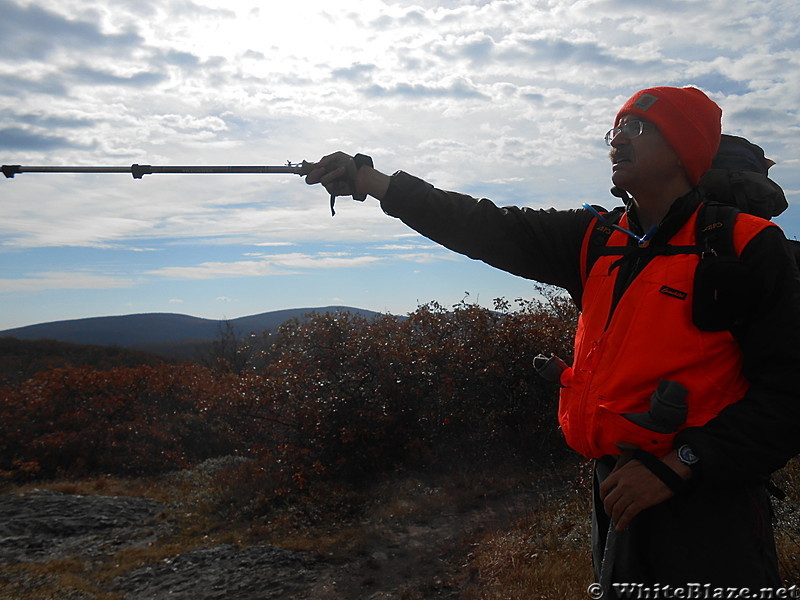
737, 182
738, 177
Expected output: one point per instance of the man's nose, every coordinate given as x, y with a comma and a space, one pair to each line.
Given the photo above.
619, 140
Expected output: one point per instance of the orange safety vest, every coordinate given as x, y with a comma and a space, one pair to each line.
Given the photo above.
619, 358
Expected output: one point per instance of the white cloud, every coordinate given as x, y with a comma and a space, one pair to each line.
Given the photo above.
281, 264
37, 282
506, 99
425, 257
274, 244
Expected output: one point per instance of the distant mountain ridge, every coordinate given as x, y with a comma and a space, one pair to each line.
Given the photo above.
162, 332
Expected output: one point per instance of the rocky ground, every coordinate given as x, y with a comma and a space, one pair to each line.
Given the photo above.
415, 543
399, 558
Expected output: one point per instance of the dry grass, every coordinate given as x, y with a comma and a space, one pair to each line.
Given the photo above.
544, 556
538, 552
344, 526
140, 487
55, 579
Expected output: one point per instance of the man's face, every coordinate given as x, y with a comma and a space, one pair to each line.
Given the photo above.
640, 162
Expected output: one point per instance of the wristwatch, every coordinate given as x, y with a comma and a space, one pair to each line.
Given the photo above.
687, 456
361, 160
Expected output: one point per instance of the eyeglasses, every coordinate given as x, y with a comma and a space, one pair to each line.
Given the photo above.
630, 130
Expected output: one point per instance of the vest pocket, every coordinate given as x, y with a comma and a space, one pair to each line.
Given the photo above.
612, 428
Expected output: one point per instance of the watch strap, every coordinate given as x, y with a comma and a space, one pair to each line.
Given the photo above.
361, 160
658, 468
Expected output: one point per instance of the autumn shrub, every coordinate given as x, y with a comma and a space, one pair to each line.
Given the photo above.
79, 420
348, 398
341, 398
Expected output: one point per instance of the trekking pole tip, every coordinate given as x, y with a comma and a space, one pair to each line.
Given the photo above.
10, 170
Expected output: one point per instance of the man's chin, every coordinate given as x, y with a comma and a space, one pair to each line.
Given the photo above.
620, 179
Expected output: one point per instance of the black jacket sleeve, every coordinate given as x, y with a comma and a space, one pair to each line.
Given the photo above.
543, 245
752, 438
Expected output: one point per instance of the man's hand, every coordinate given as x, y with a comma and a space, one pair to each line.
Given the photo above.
632, 488
337, 173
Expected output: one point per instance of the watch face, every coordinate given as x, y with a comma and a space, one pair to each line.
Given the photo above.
686, 455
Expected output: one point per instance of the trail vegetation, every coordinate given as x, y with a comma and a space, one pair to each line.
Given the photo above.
412, 457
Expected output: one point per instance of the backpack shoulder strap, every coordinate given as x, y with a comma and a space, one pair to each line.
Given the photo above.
715, 223
596, 238
724, 288
794, 250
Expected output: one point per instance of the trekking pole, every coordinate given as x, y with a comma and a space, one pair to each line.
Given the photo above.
667, 413
139, 171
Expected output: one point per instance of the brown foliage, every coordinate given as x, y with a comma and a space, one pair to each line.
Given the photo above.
126, 420
341, 398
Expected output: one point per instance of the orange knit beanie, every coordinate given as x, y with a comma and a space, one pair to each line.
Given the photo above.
688, 119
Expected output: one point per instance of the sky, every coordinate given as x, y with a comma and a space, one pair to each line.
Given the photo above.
501, 99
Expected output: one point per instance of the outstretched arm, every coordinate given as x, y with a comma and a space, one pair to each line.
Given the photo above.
543, 245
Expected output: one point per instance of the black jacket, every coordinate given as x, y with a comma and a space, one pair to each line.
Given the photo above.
748, 440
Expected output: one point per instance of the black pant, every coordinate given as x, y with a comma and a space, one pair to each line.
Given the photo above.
703, 535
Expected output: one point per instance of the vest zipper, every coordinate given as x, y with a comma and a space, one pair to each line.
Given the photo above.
590, 366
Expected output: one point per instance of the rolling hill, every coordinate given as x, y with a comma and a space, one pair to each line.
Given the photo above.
170, 334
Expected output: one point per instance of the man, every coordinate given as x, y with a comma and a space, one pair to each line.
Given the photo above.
692, 508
